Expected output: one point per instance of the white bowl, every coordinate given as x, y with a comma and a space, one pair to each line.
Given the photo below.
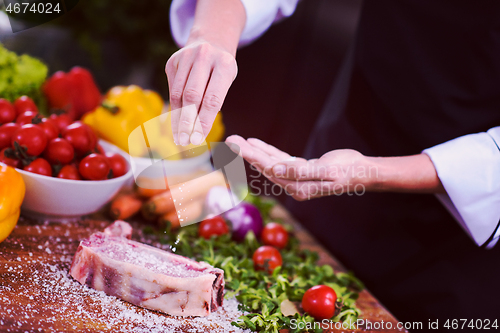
64, 198
140, 165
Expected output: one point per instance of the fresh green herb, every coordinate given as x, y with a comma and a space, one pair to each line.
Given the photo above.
259, 293
21, 75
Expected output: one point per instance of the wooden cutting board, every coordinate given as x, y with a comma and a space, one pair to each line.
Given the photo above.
38, 295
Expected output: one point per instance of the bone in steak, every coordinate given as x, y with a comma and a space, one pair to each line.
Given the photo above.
146, 276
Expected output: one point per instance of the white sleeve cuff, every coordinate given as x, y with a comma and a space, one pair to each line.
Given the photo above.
181, 20
469, 169
261, 14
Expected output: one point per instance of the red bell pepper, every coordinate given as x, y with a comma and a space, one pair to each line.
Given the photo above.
75, 92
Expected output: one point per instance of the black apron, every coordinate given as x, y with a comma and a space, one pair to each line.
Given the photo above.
419, 73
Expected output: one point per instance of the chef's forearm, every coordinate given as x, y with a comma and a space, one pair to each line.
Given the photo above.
413, 174
219, 22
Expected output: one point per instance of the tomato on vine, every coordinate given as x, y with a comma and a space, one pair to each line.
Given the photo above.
24, 103
39, 166
7, 111
26, 117
117, 162
59, 151
8, 159
62, 121
50, 128
6, 133
32, 138
69, 172
81, 137
94, 167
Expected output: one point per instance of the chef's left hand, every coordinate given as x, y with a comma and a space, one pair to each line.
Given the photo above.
337, 172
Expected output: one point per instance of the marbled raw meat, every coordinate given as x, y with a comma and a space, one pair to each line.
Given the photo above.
146, 276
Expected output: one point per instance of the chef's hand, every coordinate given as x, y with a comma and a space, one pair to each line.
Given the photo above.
199, 77
200, 74
337, 172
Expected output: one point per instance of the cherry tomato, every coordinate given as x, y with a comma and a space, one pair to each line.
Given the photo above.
215, 226
50, 128
7, 111
69, 172
275, 235
32, 137
8, 160
81, 137
6, 133
26, 117
39, 166
94, 167
59, 151
100, 150
267, 258
319, 302
118, 164
24, 103
62, 121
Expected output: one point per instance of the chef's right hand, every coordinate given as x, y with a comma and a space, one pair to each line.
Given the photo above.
199, 76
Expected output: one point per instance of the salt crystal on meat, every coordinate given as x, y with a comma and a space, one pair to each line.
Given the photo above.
147, 276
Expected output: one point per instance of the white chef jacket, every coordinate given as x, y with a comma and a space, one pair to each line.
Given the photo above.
468, 166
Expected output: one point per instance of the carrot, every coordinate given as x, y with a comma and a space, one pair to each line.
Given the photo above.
148, 187
124, 206
148, 192
183, 193
183, 216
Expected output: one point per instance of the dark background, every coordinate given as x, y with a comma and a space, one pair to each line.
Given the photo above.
285, 76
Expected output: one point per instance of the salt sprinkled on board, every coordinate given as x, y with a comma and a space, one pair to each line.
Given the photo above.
42, 296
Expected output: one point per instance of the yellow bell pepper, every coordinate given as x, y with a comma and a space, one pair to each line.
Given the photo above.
12, 191
123, 109
217, 132
126, 108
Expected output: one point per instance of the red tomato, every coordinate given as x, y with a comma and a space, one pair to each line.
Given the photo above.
59, 151
275, 235
7, 111
9, 160
32, 137
50, 128
26, 117
94, 167
69, 172
62, 121
39, 166
6, 133
100, 150
319, 302
215, 226
118, 164
81, 137
24, 103
266, 258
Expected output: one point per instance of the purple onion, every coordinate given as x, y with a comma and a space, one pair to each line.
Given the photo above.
219, 200
245, 217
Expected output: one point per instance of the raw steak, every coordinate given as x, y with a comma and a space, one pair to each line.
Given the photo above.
146, 276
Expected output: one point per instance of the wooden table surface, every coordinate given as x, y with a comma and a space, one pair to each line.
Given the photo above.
38, 295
